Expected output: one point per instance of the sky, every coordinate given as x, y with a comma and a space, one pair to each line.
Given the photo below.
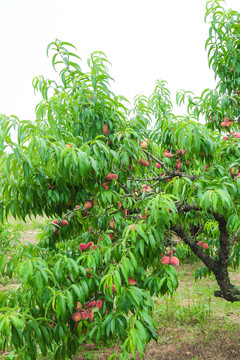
144, 41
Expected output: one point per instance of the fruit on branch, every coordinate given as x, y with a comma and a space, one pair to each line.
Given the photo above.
165, 260
158, 165
88, 205
99, 304
109, 177
111, 236
77, 207
114, 176
76, 316
131, 281
55, 222
119, 204
83, 246
56, 232
105, 186
205, 246
88, 273
90, 244
64, 222
91, 315
140, 161
174, 261
84, 315
200, 243
146, 163
232, 69
79, 306
112, 223
144, 144
105, 129
90, 229
170, 252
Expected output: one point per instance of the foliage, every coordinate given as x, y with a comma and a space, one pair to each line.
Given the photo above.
124, 190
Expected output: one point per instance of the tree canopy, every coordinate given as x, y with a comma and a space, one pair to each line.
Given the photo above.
126, 192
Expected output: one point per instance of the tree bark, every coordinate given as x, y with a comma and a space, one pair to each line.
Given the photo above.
218, 267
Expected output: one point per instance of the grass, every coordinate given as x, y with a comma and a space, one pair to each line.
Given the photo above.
192, 325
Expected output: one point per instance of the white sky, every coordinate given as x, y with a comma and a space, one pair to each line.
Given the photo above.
145, 40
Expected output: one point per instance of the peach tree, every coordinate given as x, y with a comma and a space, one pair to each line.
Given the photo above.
124, 192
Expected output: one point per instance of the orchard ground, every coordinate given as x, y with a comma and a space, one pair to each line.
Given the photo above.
192, 325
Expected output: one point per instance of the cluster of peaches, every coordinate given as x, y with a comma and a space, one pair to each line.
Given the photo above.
169, 259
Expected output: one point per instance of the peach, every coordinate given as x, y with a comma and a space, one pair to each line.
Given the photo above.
165, 260
99, 304
114, 176
140, 162
131, 281
205, 246
109, 177
90, 244
158, 165
105, 129
88, 205
144, 144
111, 236
132, 227
83, 247
88, 273
84, 315
91, 315
55, 222
79, 305
56, 231
77, 207
174, 261
200, 243
90, 229
146, 163
105, 186
64, 222
76, 316
119, 204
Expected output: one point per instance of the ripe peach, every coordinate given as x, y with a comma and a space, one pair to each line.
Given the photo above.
174, 261
158, 165
55, 222
76, 316
79, 305
84, 315
56, 231
105, 129
112, 223
83, 247
111, 236
88, 205
64, 222
88, 273
105, 186
90, 244
131, 281
113, 288
91, 315
99, 304
146, 163
109, 177
165, 260
200, 243
140, 162
205, 246
232, 69
77, 207
114, 176
124, 211
144, 144
119, 204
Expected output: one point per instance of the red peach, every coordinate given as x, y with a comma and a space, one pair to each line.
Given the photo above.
205, 246
88, 205
64, 222
165, 260
131, 281
114, 176
174, 261
90, 244
109, 177
105, 129
99, 304
83, 247
76, 316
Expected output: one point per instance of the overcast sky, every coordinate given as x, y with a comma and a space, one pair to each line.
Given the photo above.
144, 40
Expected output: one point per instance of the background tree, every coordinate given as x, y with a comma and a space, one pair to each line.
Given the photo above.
118, 187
